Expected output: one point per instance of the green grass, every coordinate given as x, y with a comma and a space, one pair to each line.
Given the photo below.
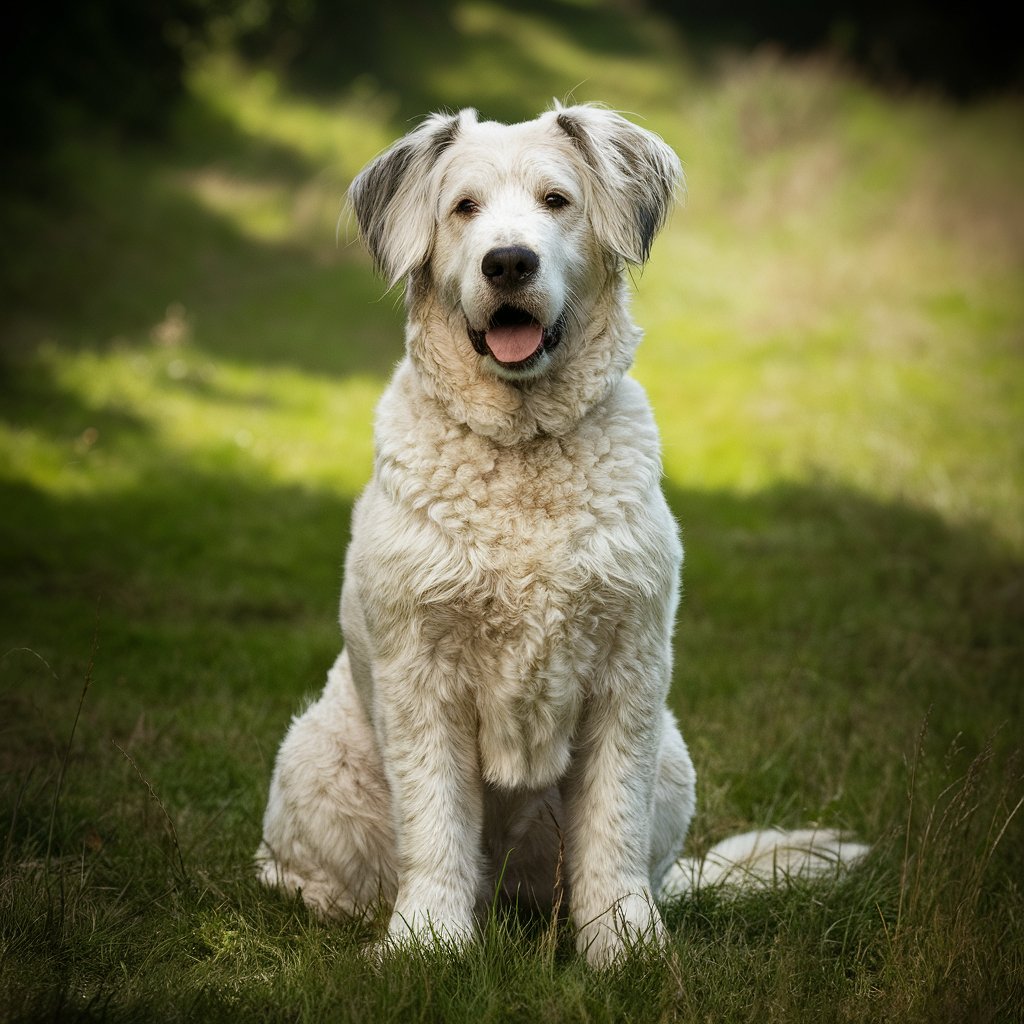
834, 351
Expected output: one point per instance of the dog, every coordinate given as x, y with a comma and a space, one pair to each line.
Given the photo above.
496, 723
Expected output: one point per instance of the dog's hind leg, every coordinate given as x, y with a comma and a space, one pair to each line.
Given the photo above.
327, 829
674, 803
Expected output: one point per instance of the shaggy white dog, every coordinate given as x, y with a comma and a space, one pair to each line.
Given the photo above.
511, 584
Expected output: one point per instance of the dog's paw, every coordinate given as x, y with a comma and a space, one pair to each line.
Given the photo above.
420, 929
632, 925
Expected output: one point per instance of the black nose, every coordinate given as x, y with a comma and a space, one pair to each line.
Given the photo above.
509, 266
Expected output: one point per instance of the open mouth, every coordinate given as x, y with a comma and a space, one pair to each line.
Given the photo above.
514, 338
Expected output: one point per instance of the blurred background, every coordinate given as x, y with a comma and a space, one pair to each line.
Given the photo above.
123, 64
192, 342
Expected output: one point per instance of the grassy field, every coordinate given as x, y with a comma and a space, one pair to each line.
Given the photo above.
834, 349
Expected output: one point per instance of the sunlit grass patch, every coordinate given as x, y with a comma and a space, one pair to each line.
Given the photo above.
119, 415
343, 134
267, 200
833, 310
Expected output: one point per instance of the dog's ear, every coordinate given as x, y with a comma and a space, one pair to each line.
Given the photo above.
632, 176
395, 196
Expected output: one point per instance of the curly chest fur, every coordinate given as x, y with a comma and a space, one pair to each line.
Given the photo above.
525, 627
516, 565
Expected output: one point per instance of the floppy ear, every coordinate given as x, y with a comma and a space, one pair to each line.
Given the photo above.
395, 196
632, 175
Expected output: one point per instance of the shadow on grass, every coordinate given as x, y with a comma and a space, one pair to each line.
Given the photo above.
448, 55
249, 303
911, 44
818, 630
200, 606
128, 246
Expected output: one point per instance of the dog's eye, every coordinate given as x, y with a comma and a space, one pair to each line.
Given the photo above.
555, 201
466, 207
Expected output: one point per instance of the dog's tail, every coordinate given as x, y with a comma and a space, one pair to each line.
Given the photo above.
765, 858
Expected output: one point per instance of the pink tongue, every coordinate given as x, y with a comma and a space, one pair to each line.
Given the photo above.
514, 344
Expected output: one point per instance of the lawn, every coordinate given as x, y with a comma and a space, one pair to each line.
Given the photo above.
192, 347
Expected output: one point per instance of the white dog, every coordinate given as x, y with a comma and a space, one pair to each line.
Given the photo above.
511, 584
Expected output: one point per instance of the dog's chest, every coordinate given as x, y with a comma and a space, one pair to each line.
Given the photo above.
527, 532
521, 586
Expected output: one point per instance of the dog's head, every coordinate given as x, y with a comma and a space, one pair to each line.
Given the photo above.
517, 227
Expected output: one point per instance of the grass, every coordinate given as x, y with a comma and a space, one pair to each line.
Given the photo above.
833, 348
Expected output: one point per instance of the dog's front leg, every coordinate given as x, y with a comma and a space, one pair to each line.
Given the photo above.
429, 742
608, 797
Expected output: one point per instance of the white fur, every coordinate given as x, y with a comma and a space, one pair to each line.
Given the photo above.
497, 718
766, 857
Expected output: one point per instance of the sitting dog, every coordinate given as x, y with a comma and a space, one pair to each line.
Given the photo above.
499, 707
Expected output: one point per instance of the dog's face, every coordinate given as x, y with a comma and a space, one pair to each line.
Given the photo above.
517, 226
513, 247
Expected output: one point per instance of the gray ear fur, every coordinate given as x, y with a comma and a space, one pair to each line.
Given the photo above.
393, 197
633, 177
